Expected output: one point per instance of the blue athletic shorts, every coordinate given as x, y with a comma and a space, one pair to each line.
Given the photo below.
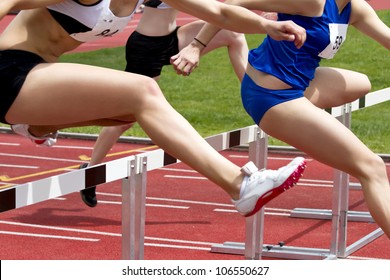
258, 100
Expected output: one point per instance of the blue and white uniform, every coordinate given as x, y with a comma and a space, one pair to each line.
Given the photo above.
295, 67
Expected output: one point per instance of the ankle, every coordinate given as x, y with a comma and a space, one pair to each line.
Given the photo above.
239, 189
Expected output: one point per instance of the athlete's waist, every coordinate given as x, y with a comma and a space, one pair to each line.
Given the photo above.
265, 80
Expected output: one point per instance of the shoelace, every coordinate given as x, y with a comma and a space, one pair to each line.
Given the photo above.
264, 174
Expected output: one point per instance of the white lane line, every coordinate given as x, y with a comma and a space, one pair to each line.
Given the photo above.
156, 239
265, 213
172, 200
58, 228
178, 170
9, 144
40, 158
167, 206
147, 204
19, 166
48, 236
190, 201
185, 177
177, 246
73, 147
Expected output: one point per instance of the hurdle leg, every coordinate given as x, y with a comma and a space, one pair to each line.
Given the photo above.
258, 152
341, 201
252, 248
339, 213
133, 210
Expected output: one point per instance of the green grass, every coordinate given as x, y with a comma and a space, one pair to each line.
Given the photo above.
210, 97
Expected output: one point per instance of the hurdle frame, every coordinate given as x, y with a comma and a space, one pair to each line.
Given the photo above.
339, 214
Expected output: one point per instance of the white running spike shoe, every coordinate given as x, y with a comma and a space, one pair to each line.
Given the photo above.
264, 185
46, 140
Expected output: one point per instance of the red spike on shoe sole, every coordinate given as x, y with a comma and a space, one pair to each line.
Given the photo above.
290, 182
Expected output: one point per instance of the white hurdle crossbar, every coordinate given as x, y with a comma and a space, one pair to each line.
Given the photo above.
131, 170
339, 213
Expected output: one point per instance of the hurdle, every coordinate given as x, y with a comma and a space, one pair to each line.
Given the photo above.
132, 170
339, 214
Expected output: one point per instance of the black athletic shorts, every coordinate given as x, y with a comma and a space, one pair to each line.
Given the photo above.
14, 67
146, 55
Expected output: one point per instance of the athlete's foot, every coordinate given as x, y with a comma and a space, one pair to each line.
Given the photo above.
261, 186
45, 140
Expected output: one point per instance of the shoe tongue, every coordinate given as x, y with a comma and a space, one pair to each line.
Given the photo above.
249, 168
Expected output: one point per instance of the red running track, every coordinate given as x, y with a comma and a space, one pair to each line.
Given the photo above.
185, 213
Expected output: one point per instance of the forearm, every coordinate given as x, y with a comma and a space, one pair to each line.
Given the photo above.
205, 35
7, 6
296, 7
222, 15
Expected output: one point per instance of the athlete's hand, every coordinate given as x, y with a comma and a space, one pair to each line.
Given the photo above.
286, 31
186, 60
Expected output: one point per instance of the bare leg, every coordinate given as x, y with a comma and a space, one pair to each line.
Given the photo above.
345, 86
107, 138
81, 93
321, 136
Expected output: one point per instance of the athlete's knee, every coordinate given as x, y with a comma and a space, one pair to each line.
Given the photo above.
236, 38
148, 87
364, 84
372, 167
149, 92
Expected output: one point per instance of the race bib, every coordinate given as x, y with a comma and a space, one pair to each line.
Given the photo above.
337, 36
107, 26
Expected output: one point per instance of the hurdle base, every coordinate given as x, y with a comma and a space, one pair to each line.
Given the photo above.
326, 214
275, 251
362, 242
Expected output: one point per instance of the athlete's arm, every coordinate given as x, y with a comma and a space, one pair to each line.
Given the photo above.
310, 8
207, 33
236, 18
365, 19
7, 6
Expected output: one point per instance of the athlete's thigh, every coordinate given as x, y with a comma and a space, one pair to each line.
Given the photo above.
333, 87
314, 131
69, 93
